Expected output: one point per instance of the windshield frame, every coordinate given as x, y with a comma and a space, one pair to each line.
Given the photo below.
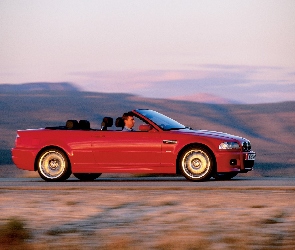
162, 121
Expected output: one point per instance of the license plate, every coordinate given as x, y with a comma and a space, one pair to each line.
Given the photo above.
250, 157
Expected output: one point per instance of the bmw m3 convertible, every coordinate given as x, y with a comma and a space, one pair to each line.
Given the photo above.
158, 145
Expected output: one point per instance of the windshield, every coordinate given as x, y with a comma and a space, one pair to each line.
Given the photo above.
161, 120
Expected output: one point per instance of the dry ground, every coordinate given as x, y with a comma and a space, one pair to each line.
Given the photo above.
152, 218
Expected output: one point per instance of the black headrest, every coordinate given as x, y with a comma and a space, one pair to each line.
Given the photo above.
84, 124
72, 124
119, 122
106, 122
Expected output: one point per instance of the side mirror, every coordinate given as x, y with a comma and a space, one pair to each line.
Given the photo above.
145, 127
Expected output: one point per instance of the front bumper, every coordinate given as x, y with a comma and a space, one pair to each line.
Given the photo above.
235, 161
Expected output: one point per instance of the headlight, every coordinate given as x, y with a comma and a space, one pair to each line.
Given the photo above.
229, 145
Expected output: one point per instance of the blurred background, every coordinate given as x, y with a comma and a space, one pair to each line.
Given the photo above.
217, 65
269, 126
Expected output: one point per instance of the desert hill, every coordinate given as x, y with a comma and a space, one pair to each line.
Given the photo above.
270, 127
37, 86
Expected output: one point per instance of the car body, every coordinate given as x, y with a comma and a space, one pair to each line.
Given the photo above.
159, 145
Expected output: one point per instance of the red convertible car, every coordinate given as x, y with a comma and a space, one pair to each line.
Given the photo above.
158, 145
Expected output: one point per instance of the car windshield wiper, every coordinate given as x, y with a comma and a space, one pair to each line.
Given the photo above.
176, 128
179, 128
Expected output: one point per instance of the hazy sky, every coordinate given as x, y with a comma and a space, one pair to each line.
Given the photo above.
240, 50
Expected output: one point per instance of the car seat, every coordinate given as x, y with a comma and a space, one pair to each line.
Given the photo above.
72, 124
84, 125
106, 123
119, 123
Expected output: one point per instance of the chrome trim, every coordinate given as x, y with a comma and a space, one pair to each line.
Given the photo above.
169, 141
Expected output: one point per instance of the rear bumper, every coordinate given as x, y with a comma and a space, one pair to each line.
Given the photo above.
23, 158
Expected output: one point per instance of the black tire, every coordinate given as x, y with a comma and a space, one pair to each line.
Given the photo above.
53, 165
224, 176
196, 164
86, 177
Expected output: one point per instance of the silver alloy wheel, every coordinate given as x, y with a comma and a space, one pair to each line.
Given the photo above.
196, 164
52, 165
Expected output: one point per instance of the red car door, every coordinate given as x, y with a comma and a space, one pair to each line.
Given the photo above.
117, 151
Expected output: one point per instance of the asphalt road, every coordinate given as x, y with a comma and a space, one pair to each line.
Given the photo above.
150, 183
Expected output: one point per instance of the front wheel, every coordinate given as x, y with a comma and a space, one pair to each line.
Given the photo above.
86, 177
53, 165
196, 164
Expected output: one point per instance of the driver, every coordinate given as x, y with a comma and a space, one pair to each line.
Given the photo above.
128, 122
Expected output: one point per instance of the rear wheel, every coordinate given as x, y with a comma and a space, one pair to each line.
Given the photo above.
86, 177
196, 164
53, 165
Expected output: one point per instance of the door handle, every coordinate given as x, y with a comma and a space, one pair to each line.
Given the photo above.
169, 141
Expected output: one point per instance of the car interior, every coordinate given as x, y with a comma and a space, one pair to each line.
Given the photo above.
107, 124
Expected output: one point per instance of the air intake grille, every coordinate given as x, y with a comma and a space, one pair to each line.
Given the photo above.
246, 146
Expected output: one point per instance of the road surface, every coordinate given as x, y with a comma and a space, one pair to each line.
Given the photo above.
150, 183
151, 213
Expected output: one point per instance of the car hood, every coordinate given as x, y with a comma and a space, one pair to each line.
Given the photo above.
213, 134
